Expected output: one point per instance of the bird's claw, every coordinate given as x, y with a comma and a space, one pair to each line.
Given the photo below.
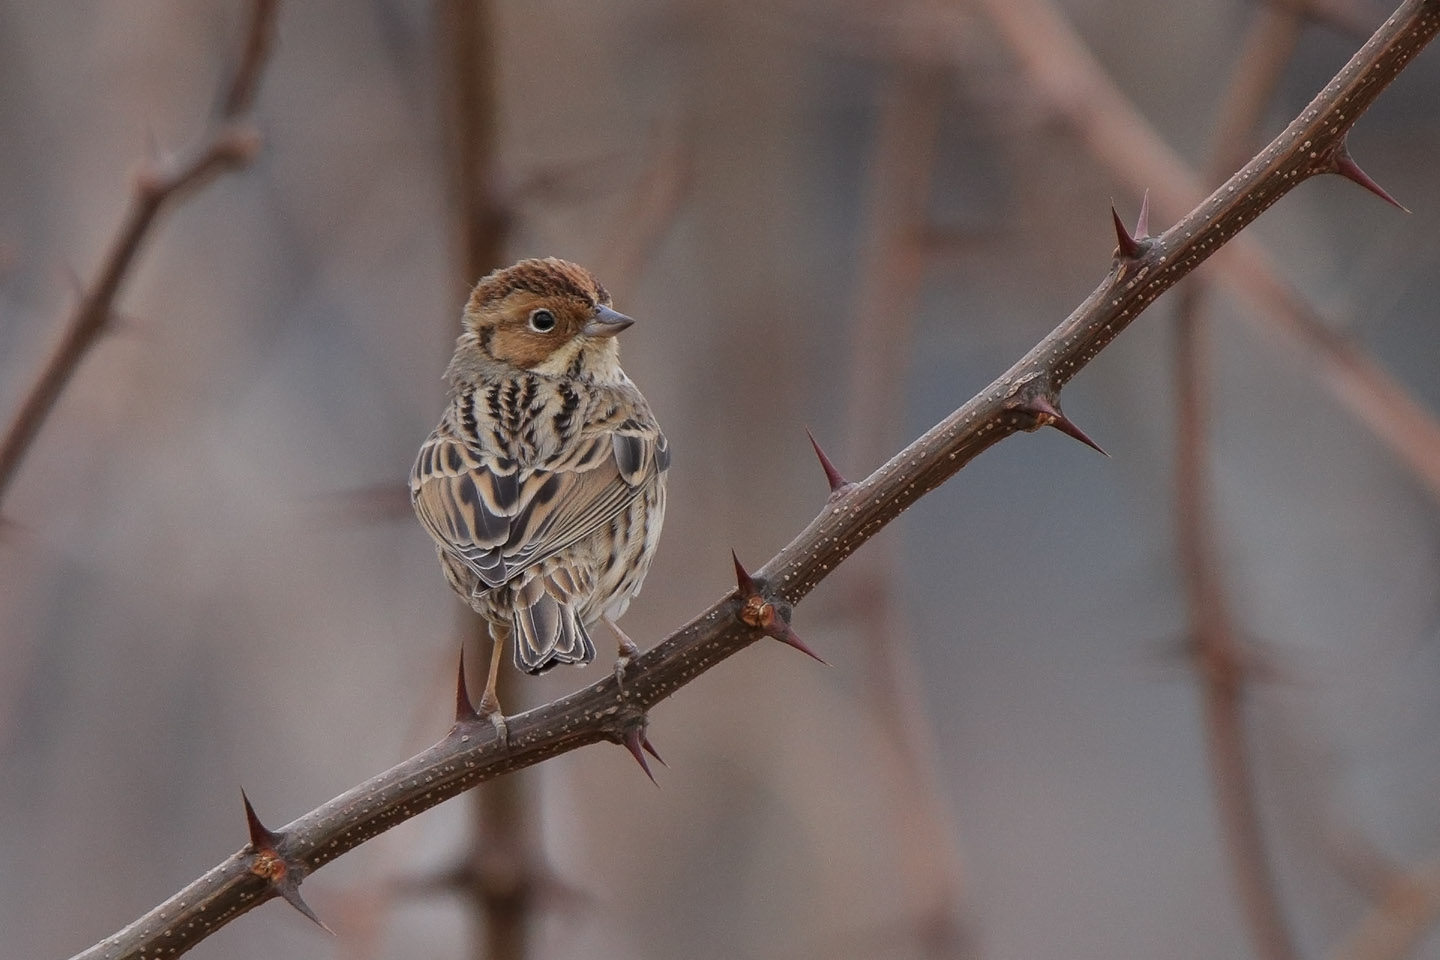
628, 652
489, 708
502, 731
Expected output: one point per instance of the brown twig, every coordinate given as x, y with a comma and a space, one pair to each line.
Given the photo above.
499, 875
1218, 658
230, 145
1025, 397
1407, 910
891, 273
1077, 88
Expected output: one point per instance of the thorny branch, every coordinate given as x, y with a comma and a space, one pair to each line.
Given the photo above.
229, 145
1025, 397
1076, 87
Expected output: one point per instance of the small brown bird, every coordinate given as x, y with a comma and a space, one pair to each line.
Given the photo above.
544, 484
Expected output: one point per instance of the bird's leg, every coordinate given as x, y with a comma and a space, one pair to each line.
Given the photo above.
627, 652
489, 706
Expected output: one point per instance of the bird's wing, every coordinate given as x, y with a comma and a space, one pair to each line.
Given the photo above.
500, 518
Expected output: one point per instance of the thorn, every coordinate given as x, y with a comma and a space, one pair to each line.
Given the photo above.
743, 581
261, 837
783, 633
1142, 222
1049, 415
1126, 246
1346, 166
635, 743
650, 749
465, 711
290, 891
838, 483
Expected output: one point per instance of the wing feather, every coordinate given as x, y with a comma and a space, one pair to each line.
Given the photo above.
500, 518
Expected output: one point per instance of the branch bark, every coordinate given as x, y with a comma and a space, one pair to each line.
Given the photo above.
229, 146
1025, 397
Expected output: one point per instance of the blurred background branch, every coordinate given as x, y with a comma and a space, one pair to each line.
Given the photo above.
159, 185
1222, 665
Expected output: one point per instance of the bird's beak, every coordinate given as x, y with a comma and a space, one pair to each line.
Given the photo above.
606, 323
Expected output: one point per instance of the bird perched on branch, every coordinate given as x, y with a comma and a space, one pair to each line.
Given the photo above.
544, 484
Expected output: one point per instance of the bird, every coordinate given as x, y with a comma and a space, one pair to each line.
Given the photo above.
543, 486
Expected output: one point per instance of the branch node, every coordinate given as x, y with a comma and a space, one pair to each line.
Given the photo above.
765, 615
1345, 166
268, 863
839, 486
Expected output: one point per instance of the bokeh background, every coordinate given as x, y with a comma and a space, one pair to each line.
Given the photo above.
210, 578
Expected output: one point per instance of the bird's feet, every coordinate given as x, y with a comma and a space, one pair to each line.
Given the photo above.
489, 708
627, 652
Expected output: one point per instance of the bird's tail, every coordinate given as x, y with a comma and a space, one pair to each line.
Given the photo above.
548, 632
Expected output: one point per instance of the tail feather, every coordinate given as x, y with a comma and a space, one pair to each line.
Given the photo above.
548, 632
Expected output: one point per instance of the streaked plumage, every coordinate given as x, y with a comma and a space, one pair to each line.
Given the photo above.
544, 484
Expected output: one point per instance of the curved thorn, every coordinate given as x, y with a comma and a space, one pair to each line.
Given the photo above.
1041, 406
1126, 245
743, 581
261, 837
781, 631
650, 749
634, 742
465, 711
837, 481
290, 890
1346, 167
1142, 222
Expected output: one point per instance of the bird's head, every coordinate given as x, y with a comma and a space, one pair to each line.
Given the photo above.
549, 316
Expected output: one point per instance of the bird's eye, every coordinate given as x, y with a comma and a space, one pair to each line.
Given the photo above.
542, 320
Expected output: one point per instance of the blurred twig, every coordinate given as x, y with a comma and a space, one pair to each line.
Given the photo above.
499, 876
653, 206
229, 145
891, 273
1066, 75
1220, 663
1025, 397
1407, 910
